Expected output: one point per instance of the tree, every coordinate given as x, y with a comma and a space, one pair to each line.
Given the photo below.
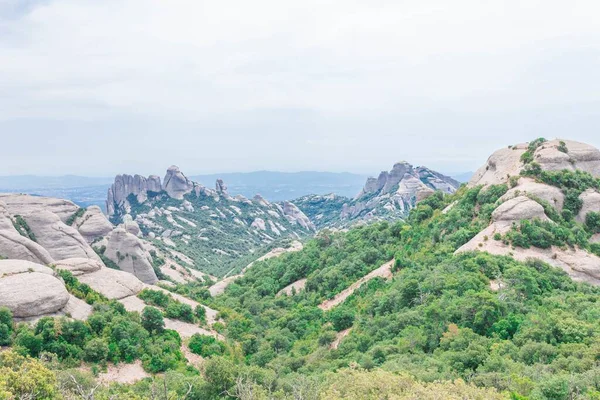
96, 350
341, 318
5, 326
152, 320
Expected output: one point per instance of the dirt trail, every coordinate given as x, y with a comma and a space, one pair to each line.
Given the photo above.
298, 285
123, 373
185, 329
385, 271
219, 287
339, 337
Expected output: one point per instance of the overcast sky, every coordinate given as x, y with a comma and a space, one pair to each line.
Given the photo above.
99, 87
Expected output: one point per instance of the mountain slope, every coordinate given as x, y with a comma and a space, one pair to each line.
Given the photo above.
390, 196
215, 231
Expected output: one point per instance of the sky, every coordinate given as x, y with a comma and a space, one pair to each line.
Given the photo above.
96, 88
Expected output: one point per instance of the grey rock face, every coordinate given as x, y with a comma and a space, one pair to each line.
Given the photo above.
45, 218
517, 209
128, 252
93, 224
176, 184
15, 246
18, 204
79, 266
220, 187
126, 185
507, 162
60, 240
30, 289
591, 203
293, 214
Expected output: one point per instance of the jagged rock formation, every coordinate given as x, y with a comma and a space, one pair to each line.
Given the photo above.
522, 202
506, 162
176, 183
389, 196
209, 226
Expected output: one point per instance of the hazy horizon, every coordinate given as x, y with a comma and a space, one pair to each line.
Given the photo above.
133, 86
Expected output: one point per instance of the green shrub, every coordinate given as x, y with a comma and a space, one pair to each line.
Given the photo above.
152, 320
206, 346
592, 221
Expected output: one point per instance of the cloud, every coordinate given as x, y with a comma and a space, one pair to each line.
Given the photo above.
351, 74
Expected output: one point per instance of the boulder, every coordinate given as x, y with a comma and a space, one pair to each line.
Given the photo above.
129, 253
93, 224
112, 283
79, 266
527, 186
30, 289
130, 225
517, 209
591, 203
176, 184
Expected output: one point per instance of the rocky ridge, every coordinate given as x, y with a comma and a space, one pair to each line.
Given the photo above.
389, 196
214, 230
522, 202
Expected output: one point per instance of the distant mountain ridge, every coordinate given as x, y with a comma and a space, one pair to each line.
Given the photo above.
279, 186
389, 196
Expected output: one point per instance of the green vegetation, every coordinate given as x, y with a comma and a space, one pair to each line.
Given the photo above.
81, 290
172, 308
206, 346
527, 157
107, 261
77, 214
23, 228
214, 232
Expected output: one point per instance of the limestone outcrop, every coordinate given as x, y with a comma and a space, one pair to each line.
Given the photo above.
294, 215
126, 185
14, 245
528, 187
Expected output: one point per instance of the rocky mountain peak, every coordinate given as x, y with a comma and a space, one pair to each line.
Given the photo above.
176, 184
220, 187
553, 155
